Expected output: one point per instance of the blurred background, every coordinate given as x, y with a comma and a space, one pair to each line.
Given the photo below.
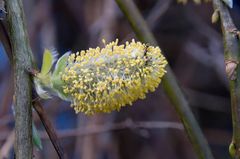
194, 49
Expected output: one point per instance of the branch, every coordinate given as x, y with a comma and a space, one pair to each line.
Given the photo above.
4, 37
22, 84
231, 52
128, 124
49, 128
110, 127
169, 82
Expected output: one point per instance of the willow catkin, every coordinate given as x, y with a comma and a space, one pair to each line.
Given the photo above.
106, 79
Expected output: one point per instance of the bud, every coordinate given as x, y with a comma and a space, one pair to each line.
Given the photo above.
232, 149
215, 16
231, 66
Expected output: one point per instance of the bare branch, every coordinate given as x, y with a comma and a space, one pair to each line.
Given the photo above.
49, 128
128, 124
231, 52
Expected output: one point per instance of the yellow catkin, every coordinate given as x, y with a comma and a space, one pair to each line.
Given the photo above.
106, 79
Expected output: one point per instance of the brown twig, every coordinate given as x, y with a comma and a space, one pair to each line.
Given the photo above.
216, 136
128, 124
44, 119
98, 129
49, 128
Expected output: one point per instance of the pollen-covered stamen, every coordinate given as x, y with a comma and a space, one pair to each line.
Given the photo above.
102, 80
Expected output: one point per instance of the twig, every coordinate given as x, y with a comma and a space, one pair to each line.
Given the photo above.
231, 51
128, 124
169, 83
98, 129
216, 136
22, 84
44, 119
49, 128
4, 152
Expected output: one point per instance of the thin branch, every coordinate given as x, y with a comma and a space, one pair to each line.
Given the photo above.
111, 127
169, 82
49, 128
231, 52
22, 84
128, 124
